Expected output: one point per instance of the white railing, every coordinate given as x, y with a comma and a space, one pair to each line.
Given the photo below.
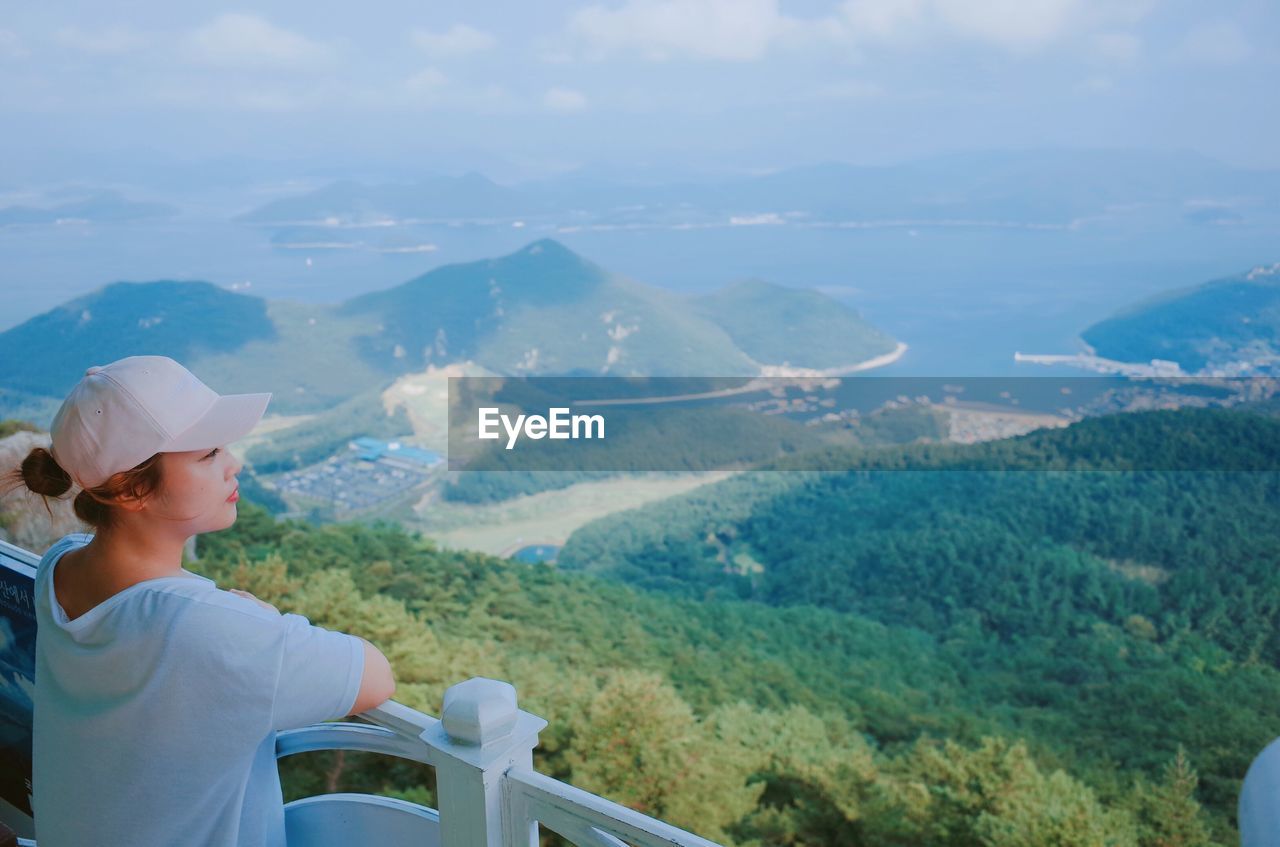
584, 818
487, 789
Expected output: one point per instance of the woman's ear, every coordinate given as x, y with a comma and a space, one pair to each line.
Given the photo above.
131, 504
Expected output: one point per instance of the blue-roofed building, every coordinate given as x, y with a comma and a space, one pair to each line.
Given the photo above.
394, 453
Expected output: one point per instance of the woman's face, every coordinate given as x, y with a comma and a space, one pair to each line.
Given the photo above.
195, 490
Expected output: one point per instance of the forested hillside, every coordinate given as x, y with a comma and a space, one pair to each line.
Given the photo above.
1188, 543
798, 726
1208, 325
1021, 572
777, 324
178, 319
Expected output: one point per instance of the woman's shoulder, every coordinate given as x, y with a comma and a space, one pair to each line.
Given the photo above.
225, 629
71, 539
67, 542
218, 607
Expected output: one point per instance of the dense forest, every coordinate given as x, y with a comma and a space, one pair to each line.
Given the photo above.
783, 725
1083, 593
946, 539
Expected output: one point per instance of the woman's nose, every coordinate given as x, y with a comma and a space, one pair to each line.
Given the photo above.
236, 464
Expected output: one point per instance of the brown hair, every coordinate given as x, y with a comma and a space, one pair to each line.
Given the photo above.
42, 474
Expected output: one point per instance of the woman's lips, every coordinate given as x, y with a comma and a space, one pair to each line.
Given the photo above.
235, 495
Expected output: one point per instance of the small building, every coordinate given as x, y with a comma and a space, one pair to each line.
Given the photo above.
394, 453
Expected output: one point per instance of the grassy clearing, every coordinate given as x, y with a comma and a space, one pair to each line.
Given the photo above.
548, 517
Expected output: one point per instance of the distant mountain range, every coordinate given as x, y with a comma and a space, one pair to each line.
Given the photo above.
101, 205
541, 310
1045, 187
1031, 189
471, 195
1230, 326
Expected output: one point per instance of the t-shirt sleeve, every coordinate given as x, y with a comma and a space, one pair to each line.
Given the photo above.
320, 674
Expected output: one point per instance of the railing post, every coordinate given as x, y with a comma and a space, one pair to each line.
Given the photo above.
480, 736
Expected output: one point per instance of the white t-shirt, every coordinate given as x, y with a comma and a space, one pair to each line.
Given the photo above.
156, 712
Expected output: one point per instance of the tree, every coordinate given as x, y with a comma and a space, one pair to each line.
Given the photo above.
1168, 813
996, 796
639, 744
820, 778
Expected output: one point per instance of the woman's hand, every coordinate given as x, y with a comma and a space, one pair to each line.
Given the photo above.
249, 596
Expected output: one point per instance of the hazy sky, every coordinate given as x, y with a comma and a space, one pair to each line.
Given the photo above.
523, 89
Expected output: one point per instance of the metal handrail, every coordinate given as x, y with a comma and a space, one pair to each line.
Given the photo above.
588, 819
488, 792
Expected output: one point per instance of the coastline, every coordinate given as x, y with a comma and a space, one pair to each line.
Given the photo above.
758, 383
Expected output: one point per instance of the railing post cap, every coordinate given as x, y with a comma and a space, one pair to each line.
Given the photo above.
479, 710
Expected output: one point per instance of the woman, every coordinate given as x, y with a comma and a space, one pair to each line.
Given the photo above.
157, 695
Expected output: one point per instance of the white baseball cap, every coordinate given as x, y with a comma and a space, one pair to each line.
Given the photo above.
122, 413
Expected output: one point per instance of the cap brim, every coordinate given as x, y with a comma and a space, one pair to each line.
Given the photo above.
230, 418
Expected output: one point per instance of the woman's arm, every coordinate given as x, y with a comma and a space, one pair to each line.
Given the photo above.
378, 684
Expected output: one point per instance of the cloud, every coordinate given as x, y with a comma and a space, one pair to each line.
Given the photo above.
458, 40
663, 29
429, 86
112, 41
881, 20
745, 30
564, 100
1116, 47
248, 41
1217, 43
1012, 24
11, 46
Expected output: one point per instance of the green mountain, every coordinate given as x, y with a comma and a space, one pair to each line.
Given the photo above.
541, 310
545, 309
775, 324
302, 353
1203, 327
185, 320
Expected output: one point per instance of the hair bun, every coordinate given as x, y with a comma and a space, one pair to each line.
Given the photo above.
44, 475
